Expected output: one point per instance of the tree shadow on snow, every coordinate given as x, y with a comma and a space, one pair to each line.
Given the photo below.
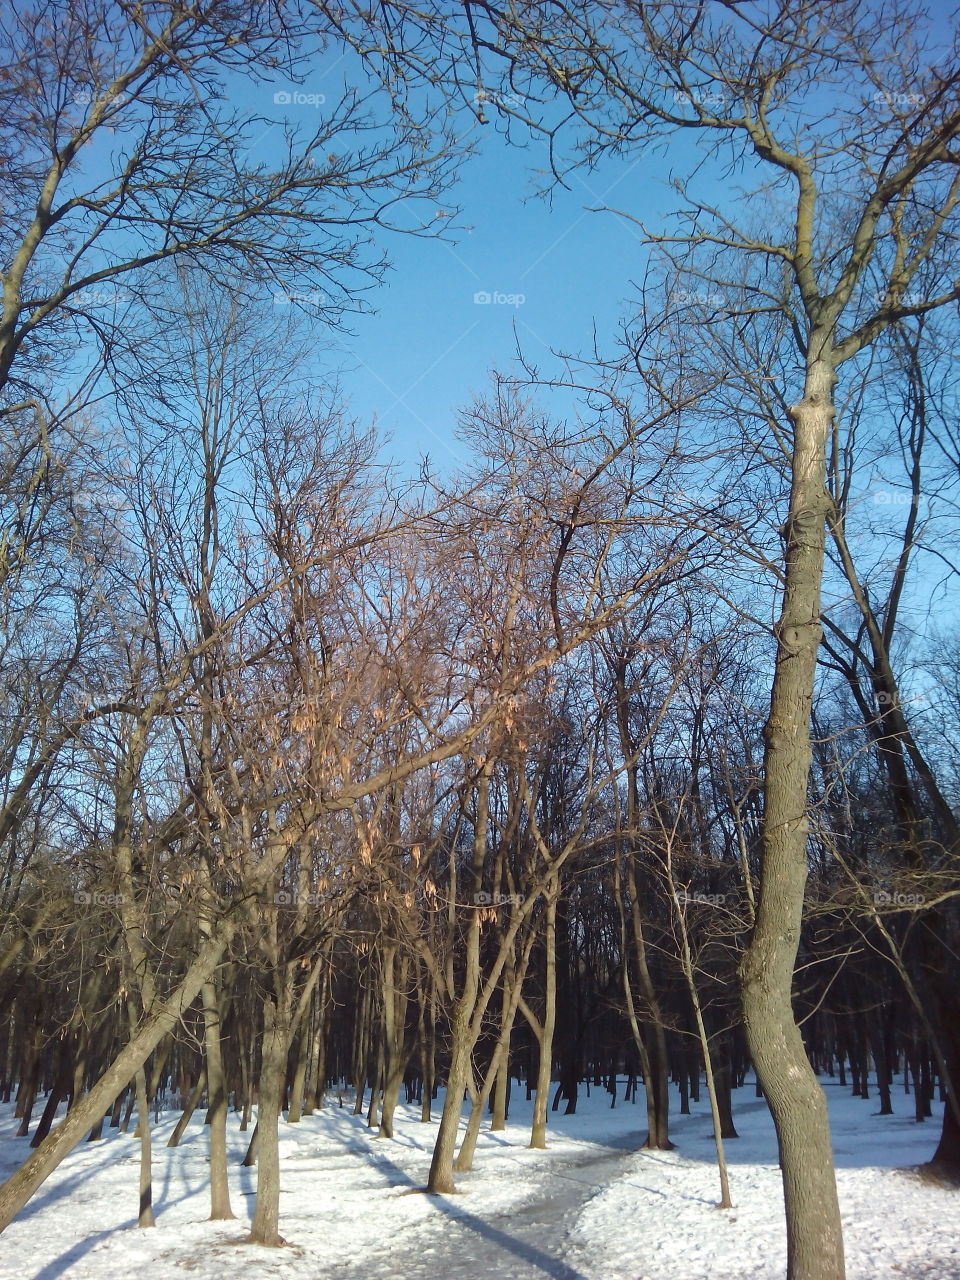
78, 1250
528, 1253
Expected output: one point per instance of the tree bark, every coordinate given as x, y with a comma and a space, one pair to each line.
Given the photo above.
266, 1217
216, 1104
538, 1130
796, 1101
145, 1218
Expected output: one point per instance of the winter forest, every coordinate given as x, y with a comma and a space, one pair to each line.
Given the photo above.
538, 861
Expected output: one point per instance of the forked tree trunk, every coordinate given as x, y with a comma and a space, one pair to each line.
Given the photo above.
499, 1062
441, 1166
463, 1033
797, 1103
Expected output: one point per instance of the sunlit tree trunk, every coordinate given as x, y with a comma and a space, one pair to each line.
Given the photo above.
798, 1105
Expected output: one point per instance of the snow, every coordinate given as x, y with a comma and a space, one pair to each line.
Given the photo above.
896, 1223
591, 1207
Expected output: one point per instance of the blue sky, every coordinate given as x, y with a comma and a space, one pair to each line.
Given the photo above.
552, 270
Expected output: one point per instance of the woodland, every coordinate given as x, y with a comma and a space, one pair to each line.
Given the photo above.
626, 751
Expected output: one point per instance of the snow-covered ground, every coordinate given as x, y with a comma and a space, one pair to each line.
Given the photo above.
591, 1207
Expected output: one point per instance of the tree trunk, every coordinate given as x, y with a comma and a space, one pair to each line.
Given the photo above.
796, 1101
216, 1104
146, 1172
266, 1217
188, 1110
20, 1186
394, 1029
538, 1132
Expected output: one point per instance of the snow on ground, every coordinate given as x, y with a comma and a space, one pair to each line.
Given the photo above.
591, 1207
660, 1221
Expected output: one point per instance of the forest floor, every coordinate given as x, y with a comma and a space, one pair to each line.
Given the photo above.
591, 1207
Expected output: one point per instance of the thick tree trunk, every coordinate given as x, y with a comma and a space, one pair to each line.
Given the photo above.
814, 1237
441, 1166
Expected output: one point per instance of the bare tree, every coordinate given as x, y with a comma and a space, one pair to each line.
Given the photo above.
629, 74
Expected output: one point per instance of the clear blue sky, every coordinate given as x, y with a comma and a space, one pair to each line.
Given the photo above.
552, 270
430, 347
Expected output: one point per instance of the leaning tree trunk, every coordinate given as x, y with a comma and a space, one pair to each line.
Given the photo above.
499, 1063
188, 1110
164, 1017
797, 1103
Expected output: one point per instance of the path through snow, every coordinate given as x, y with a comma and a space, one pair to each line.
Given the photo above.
591, 1207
